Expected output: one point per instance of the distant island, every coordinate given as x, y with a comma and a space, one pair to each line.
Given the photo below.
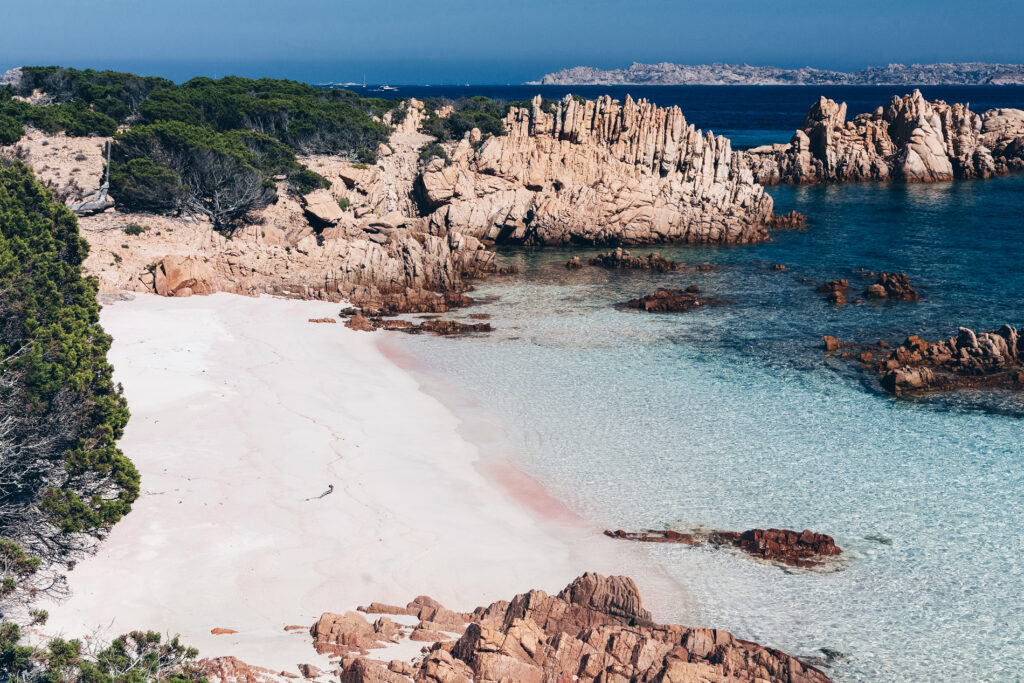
666, 73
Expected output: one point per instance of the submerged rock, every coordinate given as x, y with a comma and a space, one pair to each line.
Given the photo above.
669, 301
784, 546
620, 258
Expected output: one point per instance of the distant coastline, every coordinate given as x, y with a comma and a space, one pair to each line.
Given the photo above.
666, 73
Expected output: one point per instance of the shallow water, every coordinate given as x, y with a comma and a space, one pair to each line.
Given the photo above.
733, 418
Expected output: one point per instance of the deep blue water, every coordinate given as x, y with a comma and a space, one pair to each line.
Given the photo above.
733, 418
748, 115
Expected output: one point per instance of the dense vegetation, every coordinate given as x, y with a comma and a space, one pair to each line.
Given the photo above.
208, 146
178, 167
61, 473
62, 478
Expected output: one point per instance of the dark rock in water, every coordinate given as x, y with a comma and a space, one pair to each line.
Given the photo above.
788, 221
574, 263
895, 286
842, 285
831, 343
992, 360
669, 301
408, 301
442, 328
792, 548
879, 538
620, 258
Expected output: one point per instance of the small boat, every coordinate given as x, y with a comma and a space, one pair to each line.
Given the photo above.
385, 88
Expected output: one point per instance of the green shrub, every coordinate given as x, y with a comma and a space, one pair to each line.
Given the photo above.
432, 150
134, 229
10, 130
68, 415
344, 203
306, 181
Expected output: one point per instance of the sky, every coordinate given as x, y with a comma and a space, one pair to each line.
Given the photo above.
496, 41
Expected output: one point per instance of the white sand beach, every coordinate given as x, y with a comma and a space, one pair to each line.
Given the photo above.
241, 412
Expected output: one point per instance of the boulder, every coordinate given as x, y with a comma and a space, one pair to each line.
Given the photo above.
183, 276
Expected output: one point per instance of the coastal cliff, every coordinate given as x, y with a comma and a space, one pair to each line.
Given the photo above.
597, 172
910, 140
588, 172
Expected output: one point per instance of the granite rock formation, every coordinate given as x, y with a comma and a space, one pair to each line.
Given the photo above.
782, 546
596, 172
910, 139
968, 360
596, 629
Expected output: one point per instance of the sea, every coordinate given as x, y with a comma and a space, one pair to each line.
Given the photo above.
732, 417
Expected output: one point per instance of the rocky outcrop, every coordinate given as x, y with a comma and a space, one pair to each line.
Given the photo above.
233, 670
835, 290
910, 139
968, 360
782, 546
622, 259
183, 276
596, 629
596, 172
340, 634
669, 301
893, 286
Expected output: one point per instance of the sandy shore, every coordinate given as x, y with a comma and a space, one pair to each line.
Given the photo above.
241, 412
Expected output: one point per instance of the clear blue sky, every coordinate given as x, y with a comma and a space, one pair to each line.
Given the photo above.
494, 41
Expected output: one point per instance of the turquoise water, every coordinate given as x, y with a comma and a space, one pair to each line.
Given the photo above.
733, 418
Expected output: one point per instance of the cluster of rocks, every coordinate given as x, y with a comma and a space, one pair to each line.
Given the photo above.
783, 546
910, 139
667, 300
968, 360
888, 286
594, 630
596, 172
621, 259
893, 286
439, 326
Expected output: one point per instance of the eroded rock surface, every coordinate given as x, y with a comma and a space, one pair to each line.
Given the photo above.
597, 172
596, 629
910, 139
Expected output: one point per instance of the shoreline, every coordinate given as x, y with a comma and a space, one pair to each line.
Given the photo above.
230, 447
668, 601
